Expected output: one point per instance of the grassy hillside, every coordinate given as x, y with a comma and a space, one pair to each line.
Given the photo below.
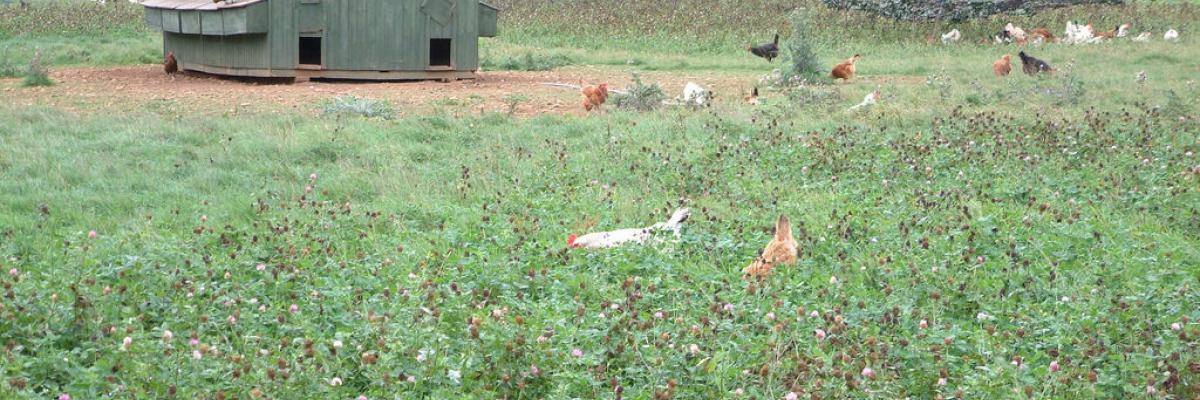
1067, 240
967, 237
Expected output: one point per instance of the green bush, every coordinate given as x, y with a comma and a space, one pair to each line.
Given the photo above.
942, 82
641, 96
37, 74
803, 59
513, 101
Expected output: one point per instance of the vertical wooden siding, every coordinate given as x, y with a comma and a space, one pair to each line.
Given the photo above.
240, 51
284, 36
466, 46
359, 35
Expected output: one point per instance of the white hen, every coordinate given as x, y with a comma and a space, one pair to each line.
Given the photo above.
1171, 35
695, 94
1015, 33
867, 102
1078, 33
951, 37
1123, 30
604, 240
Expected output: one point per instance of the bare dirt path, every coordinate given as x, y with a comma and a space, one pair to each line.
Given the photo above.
114, 89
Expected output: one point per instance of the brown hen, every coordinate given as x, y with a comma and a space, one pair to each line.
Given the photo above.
845, 70
594, 96
1002, 66
780, 251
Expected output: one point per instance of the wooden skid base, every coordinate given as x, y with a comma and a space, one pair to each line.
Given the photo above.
304, 74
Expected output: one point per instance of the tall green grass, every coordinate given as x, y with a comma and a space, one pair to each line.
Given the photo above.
964, 238
78, 32
432, 247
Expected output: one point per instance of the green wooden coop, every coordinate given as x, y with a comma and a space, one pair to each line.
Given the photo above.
337, 39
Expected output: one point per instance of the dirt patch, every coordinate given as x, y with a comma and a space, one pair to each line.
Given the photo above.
87, 90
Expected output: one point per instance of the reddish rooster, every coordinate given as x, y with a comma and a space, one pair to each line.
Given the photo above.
170, 66
594, 96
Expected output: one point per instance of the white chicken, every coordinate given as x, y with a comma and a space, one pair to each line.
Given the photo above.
1171, 35
1069, 33
610, 239
951, 37
867, 102
695, 94
1015, 33
1123, 30
1078, 33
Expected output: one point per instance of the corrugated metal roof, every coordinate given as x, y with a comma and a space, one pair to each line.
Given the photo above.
198, 4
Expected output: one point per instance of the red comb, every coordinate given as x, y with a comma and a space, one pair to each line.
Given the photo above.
571, 240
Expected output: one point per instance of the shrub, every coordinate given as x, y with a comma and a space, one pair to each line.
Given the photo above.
1073, 88
641, 96
37, 74
941, 82
978, 96
360, 106
513, 101
1070, 89
804, 63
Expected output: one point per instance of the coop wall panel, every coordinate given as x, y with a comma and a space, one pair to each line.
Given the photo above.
211, 23
170, 20
246, 51
189, 22
234, 22
237, 52
257, 17
311, 16
416, 38
466, 40
367, 35
488, 20
284, 37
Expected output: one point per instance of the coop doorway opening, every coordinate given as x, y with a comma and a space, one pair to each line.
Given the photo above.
439, 53
310, 51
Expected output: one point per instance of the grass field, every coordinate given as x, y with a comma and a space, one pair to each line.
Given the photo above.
968, 237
